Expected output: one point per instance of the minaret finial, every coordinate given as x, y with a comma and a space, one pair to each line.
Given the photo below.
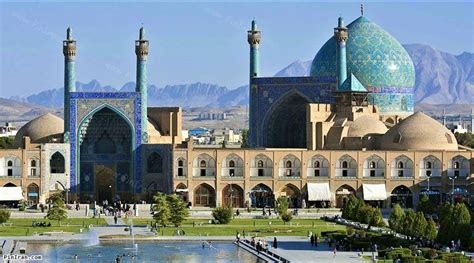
142, 33
69, 33
361, 9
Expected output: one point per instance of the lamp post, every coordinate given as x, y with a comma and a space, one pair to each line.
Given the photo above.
453, 178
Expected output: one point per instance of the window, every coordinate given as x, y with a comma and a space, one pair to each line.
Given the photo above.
372, 165
456, 165
202, 163
372, 173
344, 164
33, 163
180, 168
400, 173
180, 171
344, 173
429, 165
317, 164
33, 172
288, 164
400, 165
316, 172
260, 172
260, 164
180, 163
448, 138
56, 163
428, 173
231, 163
10, 170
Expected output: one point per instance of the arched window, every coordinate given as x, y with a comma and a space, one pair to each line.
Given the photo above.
448, 138
344, 164
33, 171
10, 168
372, 164
400, 165
317, 164
56, 163
203, 164
155, 163
429, 165
260, 164
288, 164
204, 195
181, 167
33, 193
9, 163
33, 163
231, 163
456, 165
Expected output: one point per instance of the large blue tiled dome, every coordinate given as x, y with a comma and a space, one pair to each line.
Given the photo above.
378, 60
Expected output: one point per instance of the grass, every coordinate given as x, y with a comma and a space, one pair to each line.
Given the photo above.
23, 226
260, 227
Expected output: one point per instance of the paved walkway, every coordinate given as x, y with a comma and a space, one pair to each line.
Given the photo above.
298, 249
110, 221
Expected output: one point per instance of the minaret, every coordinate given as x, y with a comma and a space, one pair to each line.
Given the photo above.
69, 51
472, 120
341, 35
141, 50
444, 117
253, 38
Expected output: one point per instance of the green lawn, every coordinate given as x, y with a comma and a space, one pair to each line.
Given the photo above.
260, 227
23, 226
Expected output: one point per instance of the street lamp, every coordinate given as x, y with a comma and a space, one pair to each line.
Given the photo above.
453, 178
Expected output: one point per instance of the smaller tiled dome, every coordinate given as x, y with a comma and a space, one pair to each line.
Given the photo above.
419, 132
41, 129
366, 125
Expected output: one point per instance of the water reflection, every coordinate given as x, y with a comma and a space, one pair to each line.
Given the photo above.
186, 252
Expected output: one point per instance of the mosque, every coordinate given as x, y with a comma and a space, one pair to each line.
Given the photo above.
348, 128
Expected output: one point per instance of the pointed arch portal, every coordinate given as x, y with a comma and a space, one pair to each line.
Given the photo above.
106, 160
285, 125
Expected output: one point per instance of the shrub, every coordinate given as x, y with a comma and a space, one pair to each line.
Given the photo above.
4, 216
286, 217
282, 205
223, 214
22, 205
349, 231
398, 252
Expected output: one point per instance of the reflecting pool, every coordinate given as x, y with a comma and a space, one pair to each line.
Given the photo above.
149, 251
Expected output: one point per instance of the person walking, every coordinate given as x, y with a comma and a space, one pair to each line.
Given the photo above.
312, 240
275, 242
115, 218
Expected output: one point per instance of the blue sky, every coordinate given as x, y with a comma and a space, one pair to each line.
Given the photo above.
192, 42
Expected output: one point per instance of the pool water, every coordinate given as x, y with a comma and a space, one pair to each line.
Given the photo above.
149, 251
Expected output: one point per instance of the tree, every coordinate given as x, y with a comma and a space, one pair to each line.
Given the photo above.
396, 217
430, 230
461, 223
223, 214
349, 208
282, 205
409, 223
57, 211
245, 137
377, 217
425, 206
420, 225
178, 209
7, 142
4, 216
161, 209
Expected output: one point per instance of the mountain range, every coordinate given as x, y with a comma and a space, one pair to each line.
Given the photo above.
441, 78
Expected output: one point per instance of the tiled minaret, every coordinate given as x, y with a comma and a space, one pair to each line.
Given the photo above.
141, 50
69, 51
253, 38
340, 33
